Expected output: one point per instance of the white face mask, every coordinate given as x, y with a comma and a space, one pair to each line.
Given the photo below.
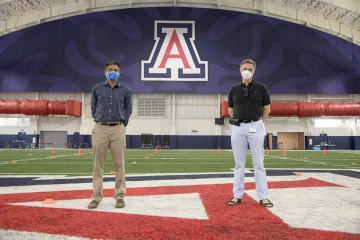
246, 74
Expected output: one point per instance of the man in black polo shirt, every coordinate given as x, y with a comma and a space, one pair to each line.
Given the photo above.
249, 106
111, 107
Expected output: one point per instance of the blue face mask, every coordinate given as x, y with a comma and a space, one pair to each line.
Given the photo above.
113, 76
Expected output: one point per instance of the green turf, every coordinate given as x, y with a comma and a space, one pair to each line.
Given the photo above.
166, 161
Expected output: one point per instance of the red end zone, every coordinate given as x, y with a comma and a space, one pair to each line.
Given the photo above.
248, 220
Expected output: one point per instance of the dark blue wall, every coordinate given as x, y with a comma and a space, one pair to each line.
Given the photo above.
341, 142
275, 145
7, 139
315, 141
196, 142
135, 141
356, 141
13, 137
202, 142
291, 58
224, 142
70, 138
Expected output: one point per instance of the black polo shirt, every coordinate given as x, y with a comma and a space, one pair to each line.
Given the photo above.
248, 107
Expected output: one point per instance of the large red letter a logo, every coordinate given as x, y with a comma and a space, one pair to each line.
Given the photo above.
174, 40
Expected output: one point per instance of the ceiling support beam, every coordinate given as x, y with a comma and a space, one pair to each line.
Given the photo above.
332, 16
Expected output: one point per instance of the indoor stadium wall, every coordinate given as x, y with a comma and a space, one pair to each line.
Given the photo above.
193, 127
63, 59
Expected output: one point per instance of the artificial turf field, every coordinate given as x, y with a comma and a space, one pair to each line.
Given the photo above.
179, 194
140, 161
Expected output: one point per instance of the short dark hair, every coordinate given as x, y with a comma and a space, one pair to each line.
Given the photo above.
248, 61
111, 63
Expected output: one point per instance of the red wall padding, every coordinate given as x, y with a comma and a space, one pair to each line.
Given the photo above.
287, 109
307, 109
35, 107
10, 107
310, 109
57, 107
40, 107
73, 108
224, 111
342, 108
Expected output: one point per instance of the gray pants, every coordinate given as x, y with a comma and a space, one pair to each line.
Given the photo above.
103, 138
240, 138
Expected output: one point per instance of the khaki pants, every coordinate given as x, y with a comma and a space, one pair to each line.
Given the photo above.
103, 138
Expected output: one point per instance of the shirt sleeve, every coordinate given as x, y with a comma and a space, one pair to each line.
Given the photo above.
266, 96
93, 102
230, 100
128, 107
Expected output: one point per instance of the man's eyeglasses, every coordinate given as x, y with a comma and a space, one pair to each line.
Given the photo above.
246, 92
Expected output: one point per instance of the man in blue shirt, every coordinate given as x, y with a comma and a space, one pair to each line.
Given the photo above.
111, 107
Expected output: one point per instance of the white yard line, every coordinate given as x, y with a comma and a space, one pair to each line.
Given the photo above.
299, 160
34, 159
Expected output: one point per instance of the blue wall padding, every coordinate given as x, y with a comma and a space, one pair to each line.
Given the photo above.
199, 142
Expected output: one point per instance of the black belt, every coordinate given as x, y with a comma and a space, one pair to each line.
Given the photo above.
110, 124
248, 121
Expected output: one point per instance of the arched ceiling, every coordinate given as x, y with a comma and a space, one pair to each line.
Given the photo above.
337, 17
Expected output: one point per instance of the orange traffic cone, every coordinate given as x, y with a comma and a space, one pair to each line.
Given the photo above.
324, 151
49, 201
53, 150
70, 149
283, 153
156, 150
80, 152
17, 150
219, 151
267, 151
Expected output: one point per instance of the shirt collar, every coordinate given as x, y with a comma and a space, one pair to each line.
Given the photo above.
107, 83
251, 83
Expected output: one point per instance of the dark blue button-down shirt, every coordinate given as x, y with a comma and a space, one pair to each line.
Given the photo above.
111, 104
